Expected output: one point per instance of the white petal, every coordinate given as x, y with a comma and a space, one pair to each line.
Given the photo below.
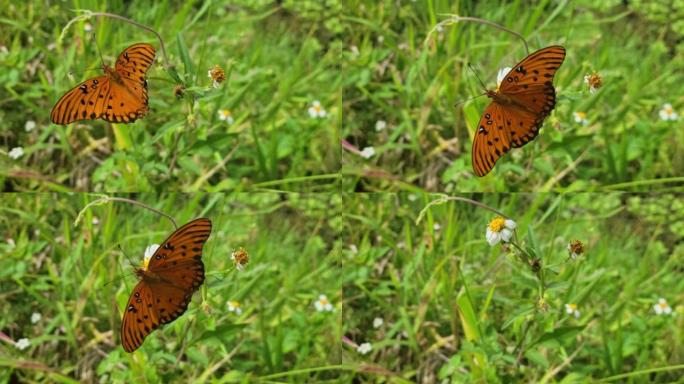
506, 235
493, 238
510, 224
501, 75
667, 310
149, 251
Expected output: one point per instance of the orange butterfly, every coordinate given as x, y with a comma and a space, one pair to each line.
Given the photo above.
168, 280
120, 96
518, 108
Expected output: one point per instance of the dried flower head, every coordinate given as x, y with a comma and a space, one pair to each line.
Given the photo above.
217, 75
594, 82
575, 249
240, 258
178, 91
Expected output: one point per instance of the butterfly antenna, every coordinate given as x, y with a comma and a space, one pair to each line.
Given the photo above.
99, 52
478, 77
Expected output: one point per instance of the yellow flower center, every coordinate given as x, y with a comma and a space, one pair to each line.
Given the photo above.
225, 113
317, 108
498, 224
235, 304
572, 307
580, 115
662, 305
323, 301
669, 110
146, 263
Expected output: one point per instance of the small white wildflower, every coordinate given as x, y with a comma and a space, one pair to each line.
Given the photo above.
35, 317
322, 304
571, 309
499, 229
87, 27
380, 125
364, 348
16, 152
377, 322
316, 110
96, 221
353, 249
412, 197
234, 306
354, 50
662, 308
226, 115
22, 344
367, 152
668, 113
580, 117
437, 227
30, 125
11, 243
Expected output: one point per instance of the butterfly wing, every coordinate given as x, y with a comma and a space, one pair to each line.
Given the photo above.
140, 317
178, 272
492, 139
530, 86
128, 99
86, 101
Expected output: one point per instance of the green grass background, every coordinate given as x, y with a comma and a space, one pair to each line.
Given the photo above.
279, 58
59, 269
458, 310
421, 87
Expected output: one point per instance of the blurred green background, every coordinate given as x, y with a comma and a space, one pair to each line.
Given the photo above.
407, 96
59, 270
454, 309
279, 56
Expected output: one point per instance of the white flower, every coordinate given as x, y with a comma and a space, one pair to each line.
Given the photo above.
437, 227
661, 308
354, 249
367, 152
501, 76
11, 243
381, 39
377, 322
22, 344
322, 304
380, 125
580, 117
87, 27
364, 348
234, 306
35, 317
499, 229
30, 125
316, 111
571, 309
412, 197
226, 116
667, 113
96, 221
149, 252
354, 50
16, 152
